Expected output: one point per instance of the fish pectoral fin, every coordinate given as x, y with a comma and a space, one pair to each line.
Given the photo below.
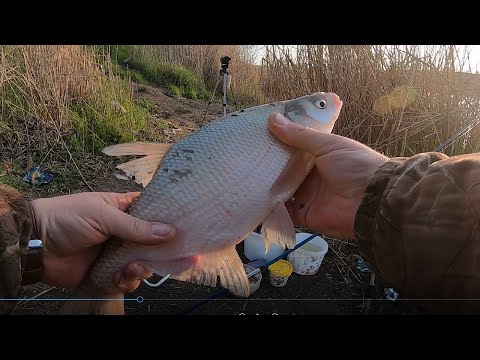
296, 170
139, 170
278, 228
204, 269
137, 148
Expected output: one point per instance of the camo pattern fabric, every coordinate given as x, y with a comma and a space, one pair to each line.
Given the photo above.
418, 228
15, 231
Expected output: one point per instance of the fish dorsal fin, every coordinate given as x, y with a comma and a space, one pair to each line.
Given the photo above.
137, 148
139, 170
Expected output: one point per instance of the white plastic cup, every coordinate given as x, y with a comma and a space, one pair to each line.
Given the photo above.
307, 259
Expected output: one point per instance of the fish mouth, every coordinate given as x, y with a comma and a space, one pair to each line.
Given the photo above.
338, 104
338, 101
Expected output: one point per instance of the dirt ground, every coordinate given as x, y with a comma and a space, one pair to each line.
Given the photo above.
338, 287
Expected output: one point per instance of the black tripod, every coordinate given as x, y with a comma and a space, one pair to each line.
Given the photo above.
224, 62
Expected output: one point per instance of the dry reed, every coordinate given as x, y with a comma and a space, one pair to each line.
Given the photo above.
56, 93
400, 100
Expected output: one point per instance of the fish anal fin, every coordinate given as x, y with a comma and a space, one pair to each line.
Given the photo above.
204, 269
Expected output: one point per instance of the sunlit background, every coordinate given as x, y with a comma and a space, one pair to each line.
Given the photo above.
399, 100
473, 51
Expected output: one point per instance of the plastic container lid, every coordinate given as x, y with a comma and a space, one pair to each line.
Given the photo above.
281, 268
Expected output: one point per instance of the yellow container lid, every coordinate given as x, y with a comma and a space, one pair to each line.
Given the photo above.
281, 268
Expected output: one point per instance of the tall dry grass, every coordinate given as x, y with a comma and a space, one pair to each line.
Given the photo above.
400, 100
62, 99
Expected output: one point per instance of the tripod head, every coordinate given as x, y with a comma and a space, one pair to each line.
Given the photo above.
224, 61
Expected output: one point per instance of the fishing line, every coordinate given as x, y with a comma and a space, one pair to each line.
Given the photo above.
222, 291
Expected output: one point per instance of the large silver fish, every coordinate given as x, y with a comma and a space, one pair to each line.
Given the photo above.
215, 185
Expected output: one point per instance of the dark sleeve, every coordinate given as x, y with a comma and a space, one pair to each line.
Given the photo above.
15, 231
418, 227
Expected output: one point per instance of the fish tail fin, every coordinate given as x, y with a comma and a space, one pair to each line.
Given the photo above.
139, 170
87, 300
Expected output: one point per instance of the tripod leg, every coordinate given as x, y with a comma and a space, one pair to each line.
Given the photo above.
233, 95
213, 94
225, 94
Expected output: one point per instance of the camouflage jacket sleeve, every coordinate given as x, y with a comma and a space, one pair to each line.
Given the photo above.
418, 228
15, 231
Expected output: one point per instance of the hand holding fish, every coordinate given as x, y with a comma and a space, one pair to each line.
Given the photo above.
328, 199
216, 185
74, 227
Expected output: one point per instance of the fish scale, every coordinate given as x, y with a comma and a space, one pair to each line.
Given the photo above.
216, 186
228, 164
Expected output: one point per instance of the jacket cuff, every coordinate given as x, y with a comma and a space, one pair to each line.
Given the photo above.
370, 219
367, 211
31, 258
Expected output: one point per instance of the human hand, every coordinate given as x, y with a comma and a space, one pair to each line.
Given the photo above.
74, 227
328, 199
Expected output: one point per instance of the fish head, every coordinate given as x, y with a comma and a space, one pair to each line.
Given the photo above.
319, 110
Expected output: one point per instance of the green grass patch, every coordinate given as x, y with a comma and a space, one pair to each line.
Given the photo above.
179, 80
61, 123
110, 122
147, 105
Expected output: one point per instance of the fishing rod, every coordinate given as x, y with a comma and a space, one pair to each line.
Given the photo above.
457, 135
222, 291
254, 272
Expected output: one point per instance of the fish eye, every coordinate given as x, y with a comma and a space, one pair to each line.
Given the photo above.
322, 104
